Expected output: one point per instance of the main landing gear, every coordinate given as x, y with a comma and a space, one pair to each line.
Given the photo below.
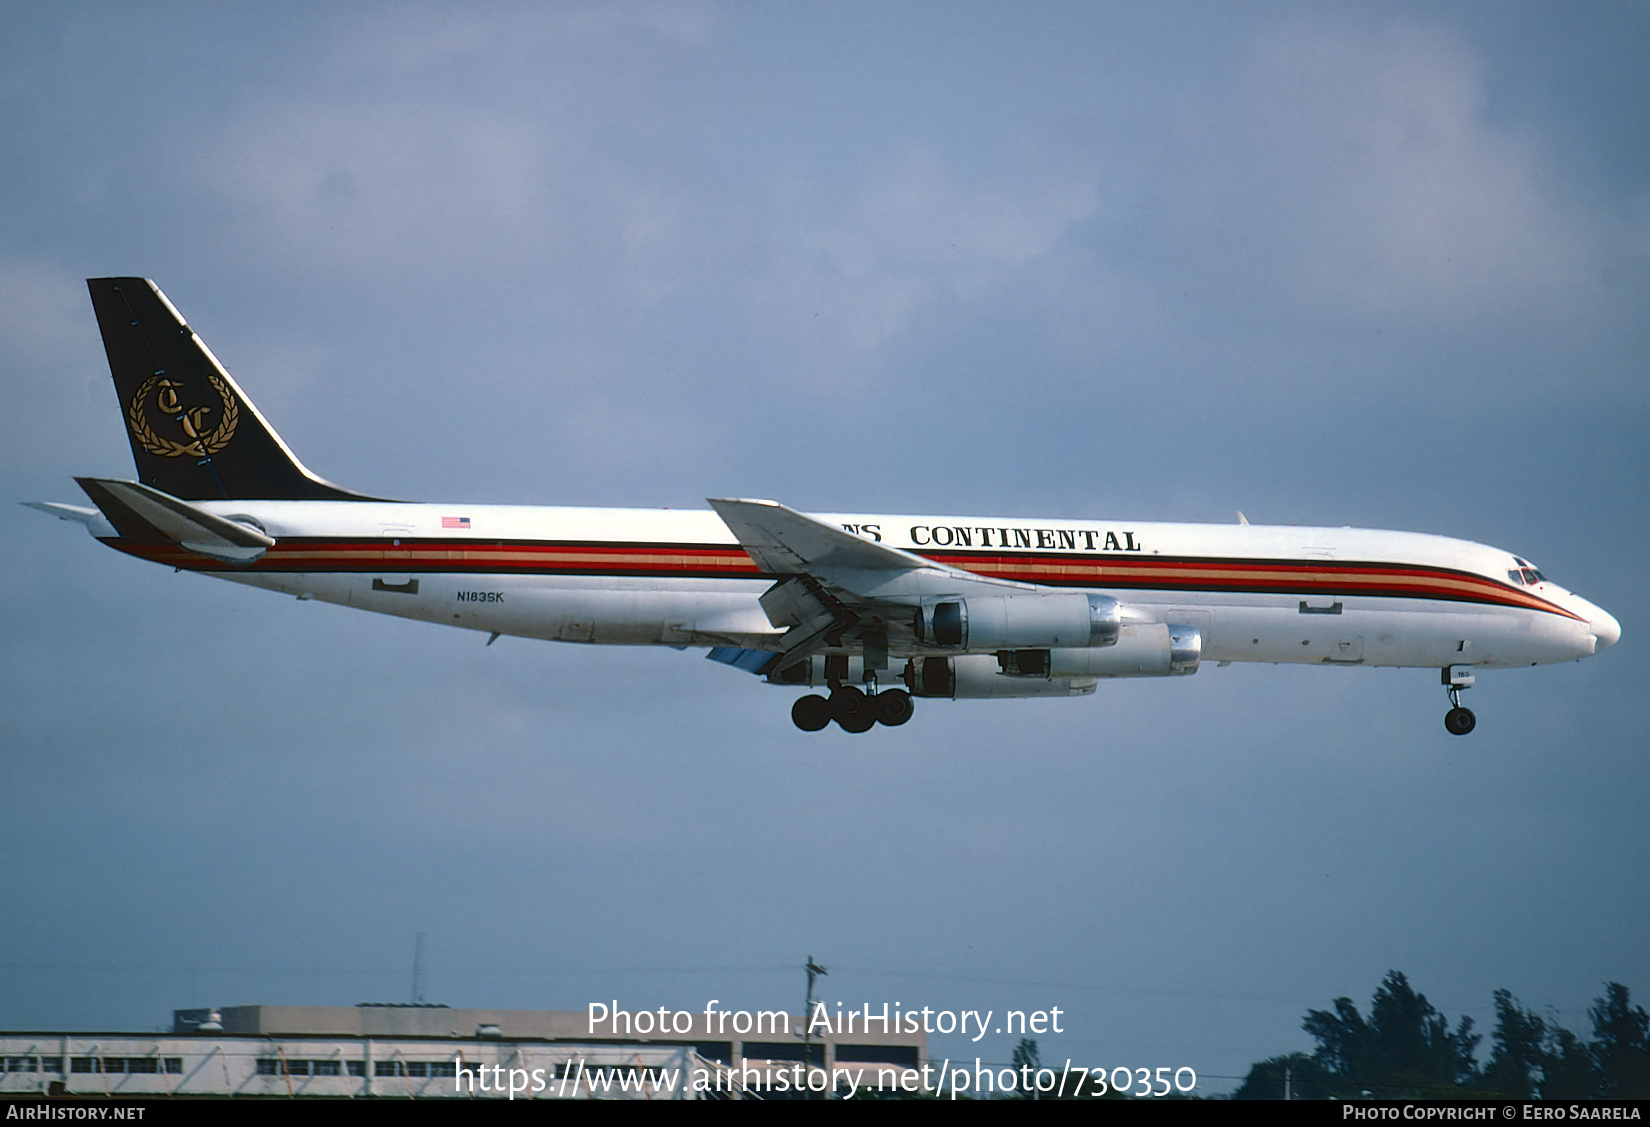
1458, 721
852, 709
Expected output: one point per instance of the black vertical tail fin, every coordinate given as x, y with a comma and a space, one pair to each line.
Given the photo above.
194, 434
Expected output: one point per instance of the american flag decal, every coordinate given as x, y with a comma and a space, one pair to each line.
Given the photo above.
455, 522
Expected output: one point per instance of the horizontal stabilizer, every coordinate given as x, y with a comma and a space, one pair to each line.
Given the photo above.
91, 518
141, 513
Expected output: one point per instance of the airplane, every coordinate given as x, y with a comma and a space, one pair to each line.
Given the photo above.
876, 609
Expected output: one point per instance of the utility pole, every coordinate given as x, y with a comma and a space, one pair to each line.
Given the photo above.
814, 971
418, 969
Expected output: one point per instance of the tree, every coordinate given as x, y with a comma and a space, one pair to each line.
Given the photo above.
1568, 1071
1543, 1060
1518, 1063
1295, 1076
1027, 1060
1405, 1050
1621, 1045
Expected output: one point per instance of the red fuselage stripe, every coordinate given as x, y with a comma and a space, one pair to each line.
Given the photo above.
709, 561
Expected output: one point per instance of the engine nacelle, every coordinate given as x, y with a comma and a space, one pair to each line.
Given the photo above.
1020, 622
1146, 650
977, 677
963, 677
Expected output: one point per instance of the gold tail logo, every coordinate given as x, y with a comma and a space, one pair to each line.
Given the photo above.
160, 396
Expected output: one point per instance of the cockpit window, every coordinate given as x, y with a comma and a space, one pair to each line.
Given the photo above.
1525, 576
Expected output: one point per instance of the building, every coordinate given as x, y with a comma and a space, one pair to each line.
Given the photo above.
424, 1051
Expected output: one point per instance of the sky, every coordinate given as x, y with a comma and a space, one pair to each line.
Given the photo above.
1381, 265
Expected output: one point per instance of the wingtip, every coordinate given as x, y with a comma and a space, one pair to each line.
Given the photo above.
78, 513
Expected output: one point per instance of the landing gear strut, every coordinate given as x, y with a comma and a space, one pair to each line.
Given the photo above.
852, 710
1458, 721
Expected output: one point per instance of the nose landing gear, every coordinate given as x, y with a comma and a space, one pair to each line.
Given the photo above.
1458, 721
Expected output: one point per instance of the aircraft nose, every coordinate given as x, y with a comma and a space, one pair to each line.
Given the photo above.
1605, 628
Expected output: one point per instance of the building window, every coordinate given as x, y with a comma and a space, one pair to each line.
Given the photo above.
269, 1066
114, 1064
143, 1064
324, 1068
357, 1067
905, 1055
388, 1068
174, 1066
783, 1050
83, 1064
444, 1068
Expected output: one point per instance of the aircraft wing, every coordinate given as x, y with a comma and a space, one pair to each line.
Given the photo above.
784, 542
832, 584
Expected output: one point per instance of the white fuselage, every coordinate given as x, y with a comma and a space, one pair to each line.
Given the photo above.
679, 578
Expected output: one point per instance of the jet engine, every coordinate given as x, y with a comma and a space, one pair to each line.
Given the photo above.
1144, 650
978, 677
1014, 622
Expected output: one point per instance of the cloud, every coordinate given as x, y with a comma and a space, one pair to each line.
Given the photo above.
59, 403
414, 39
461, 138
912, 233
384, 184
610, 180
41, 305
1360, 172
